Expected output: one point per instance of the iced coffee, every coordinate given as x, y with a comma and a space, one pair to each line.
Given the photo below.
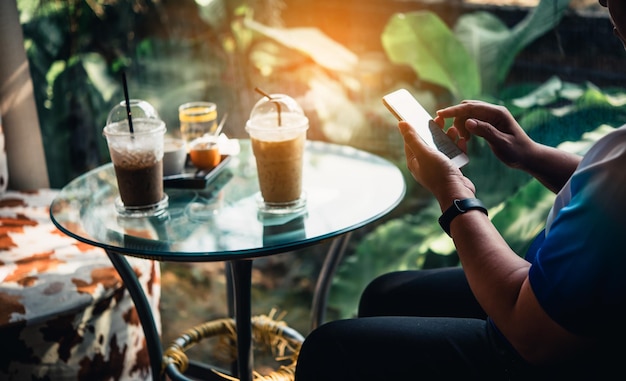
277, 128
279, 167
138, 161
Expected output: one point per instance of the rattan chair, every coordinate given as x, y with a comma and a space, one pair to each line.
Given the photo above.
268, 334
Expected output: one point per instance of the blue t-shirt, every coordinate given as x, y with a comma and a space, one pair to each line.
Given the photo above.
578, 269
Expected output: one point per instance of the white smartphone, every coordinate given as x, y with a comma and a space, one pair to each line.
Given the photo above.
405, 107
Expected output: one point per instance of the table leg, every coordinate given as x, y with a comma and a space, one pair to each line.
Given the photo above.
332, 260
242, 283
153, 340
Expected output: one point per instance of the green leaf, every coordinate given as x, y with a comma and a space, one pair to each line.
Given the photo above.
494, 47
422, 41
312, 42
543, 95
98, 73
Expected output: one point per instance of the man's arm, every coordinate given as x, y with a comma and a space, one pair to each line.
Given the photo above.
499, 279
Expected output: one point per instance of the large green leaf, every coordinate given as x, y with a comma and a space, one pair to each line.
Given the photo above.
476, 58
325, 51
422, 41
494, 47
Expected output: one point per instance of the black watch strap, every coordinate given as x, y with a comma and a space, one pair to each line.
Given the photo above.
459, 207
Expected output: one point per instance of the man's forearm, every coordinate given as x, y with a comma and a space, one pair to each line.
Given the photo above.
551, 166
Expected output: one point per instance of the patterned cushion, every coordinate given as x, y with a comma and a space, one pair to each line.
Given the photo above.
64, 313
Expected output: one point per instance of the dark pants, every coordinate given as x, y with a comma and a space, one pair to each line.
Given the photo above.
414, 325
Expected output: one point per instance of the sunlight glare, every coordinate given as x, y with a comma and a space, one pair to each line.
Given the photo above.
204, 3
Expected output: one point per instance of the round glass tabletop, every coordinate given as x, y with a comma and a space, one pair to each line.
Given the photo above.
345, 189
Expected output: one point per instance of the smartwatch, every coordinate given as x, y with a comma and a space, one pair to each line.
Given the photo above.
459, 207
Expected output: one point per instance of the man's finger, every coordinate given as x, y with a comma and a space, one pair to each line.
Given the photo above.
412, 139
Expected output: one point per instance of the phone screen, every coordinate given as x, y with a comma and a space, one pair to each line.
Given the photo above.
405, 107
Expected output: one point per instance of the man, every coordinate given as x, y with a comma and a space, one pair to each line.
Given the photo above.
555, 314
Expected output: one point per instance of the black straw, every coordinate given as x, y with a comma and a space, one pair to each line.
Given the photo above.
273, 101
128, 112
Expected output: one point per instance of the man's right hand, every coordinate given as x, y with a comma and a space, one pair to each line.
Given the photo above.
508, 141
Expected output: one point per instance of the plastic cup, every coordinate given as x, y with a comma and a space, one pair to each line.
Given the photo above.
277, 129
197, 119
174, 156
138, 161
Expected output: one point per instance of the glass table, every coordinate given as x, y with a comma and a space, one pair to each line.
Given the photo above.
345, 189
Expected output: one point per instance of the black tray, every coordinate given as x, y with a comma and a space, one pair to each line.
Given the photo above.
194, 178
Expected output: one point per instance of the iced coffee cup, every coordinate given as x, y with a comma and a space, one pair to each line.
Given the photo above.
137, 156
277, 129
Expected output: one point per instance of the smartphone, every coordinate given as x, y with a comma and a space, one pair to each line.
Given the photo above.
405, 107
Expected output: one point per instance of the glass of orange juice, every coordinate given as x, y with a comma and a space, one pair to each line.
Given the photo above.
197, 119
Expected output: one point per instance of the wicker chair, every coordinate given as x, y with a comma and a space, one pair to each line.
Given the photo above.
268, 335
